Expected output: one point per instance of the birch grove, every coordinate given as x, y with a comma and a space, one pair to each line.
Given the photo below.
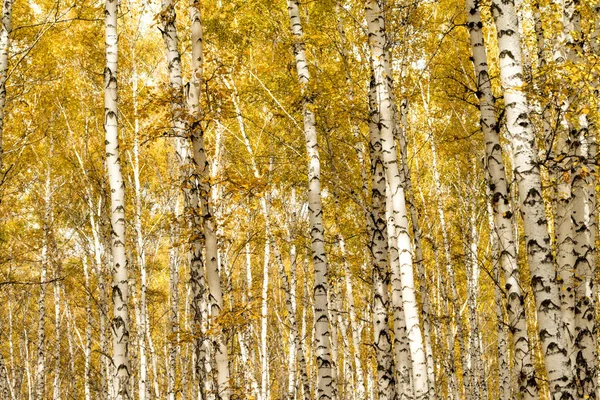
299, 200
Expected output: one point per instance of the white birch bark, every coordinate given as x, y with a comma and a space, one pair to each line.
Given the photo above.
5, 30
503, 227
120, 289
264, 354
478, 383
87, 368
419, 259
174, 348
204, 192
402, 355
185, 162
57, 327
527, 176
400, 237
46, 261
504, 370
451, 275
583, 216
143, 392
377, 230
325, 383
5, 392
356, 342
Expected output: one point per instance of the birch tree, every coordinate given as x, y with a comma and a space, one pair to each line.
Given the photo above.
185, 162
377, 227
503, 222
527, 174
401, 238
325, 383
120, 295
5, 31
202, 176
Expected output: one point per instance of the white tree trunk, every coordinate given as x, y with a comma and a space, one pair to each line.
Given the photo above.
140, 250
87, 368
4, 381
57, 329
356, 340
585, 268
5, 30
204, 190
325, 383
120, 322
46, 261
191, 196
378, 246
504, 370
418, 258
400, 237
527, 175
503, 227
174, 348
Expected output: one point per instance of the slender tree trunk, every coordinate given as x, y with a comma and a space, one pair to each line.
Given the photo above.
191, 196
504, 370
46, 261
356, 340
87, 368
5, 30
585, 268
527, 175
402, 355
479, 386
377, 227
264, 355
503, 227
325, 383
4, 381
204, 191
120, 322
72, 386
399, 238
140, 250
57, 328
419, 259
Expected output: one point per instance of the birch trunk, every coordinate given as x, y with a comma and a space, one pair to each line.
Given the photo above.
4, 381
46, 260
264, 355
204, 191
377, 227
527, 175
325, 383
585, 268
5, 30
185, 162
140, 250
453, 294
503, 227
57, 329
120, 322
174, 348
356, 342
400, 237
87, 368
504, 370
418, 248
478, 385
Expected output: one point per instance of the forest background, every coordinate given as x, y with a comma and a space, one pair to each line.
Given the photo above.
478, 281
